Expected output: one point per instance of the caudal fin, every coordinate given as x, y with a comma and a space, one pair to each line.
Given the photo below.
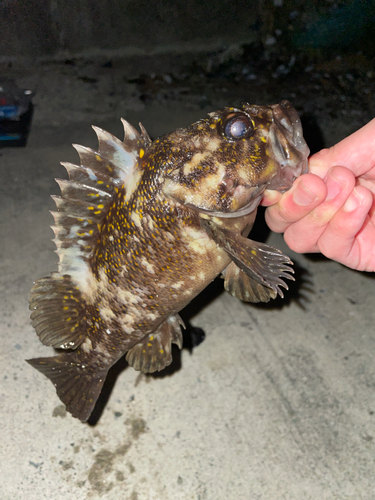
77, 385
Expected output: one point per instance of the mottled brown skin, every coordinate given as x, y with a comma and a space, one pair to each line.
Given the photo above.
157, 245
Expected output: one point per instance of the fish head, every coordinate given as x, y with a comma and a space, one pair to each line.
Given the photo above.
223, 164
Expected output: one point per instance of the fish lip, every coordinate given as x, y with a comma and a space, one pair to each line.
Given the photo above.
288, 146
286, 116
241, 212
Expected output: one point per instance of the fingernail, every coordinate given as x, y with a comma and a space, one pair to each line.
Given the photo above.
355, 199
303, 196
334, 185
271, 197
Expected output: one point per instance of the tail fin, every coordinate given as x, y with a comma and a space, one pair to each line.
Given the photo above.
77, 385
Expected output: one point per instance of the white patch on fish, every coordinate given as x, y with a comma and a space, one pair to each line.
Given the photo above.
178, 284
101, 350
198, 240
132, 183
127, 297
106, 313
152, 316
127, 328
87, 345
102, 285
210, 182
150, 268
72, 262
150, 222
194, 162
136, 219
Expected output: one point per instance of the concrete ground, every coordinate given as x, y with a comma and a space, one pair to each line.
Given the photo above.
276, 403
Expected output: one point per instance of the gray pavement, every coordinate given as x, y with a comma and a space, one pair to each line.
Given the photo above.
276, 403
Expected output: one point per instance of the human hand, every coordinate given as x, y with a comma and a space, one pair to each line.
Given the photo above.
332, 209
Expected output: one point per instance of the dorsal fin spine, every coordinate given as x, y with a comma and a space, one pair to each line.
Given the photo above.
144, 134
66, 184
130, 133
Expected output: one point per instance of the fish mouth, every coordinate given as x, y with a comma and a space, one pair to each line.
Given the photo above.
245, 210
288, 146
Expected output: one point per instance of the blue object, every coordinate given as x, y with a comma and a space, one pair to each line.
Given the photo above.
10, 137
16, 111
10, 111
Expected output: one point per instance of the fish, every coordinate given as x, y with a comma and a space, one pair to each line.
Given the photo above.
142, 227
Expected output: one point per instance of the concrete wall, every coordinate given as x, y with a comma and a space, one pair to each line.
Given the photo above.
35, 28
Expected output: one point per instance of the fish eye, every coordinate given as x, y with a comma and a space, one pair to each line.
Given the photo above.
237, 126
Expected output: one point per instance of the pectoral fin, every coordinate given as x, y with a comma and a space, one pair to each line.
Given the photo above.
154, 352
264, 264
241, 286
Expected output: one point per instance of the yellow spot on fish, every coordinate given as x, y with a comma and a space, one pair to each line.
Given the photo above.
141, 153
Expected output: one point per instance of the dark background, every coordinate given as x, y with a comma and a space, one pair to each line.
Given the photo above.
90, 61
38, 28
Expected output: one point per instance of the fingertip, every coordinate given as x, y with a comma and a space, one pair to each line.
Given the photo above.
309, 191
320, 162
340, 234
360, 198
270, 197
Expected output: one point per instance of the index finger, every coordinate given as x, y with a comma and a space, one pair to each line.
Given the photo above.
356, 152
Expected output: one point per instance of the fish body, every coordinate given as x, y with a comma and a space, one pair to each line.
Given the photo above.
143, 227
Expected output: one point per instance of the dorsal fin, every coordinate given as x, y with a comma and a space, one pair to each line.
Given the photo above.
87, 195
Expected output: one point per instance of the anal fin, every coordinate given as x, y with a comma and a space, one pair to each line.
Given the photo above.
154, 352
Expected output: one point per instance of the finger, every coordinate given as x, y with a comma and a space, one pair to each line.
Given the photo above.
303, 235
356, 152
270, 197
306, 194
338, 241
